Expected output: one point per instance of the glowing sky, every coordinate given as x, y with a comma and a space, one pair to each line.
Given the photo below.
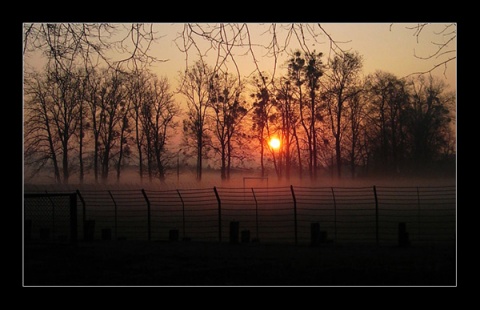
388, 47
393, 48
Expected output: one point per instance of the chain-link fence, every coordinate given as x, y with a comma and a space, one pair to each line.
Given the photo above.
377, 215
50, 217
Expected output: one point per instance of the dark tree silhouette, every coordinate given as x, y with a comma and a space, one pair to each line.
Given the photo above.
261, 112
157, 117
428, 117
305, 71
228, 112
39, 134
52, 109
388, 99
195, 86
341, 86
91, 109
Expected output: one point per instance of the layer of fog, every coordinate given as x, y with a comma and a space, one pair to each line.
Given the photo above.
130, 180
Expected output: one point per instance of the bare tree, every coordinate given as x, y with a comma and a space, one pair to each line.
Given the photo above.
125, 130
444, 44
305, 71
428, 119
138, 95
67, 46
388, 98
40, 140
226, 41
82, 114
94, 96
157, 114
55, 102
196, 87
287, 123
112, 111
70, 44
227, 113
356, 118
341, 86
262, 105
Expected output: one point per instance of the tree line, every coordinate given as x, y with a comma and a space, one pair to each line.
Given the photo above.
329, 118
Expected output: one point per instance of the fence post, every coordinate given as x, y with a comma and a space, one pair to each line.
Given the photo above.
148, 215
219, 214
53, 214
115, 204
83, 205
376, 213
334, 215
294, 214
419, 218
183, 214
73, 218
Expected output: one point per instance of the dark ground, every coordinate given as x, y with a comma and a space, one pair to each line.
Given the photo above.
136, 263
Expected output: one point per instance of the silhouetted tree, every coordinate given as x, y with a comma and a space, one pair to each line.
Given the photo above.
287, 119
55, 100
40, 139
356, 119
112, 105
305, 71
93, 97
156, 115
196, 87
137, 95
86, 109
89, 44
428, 118
388, 99
341, 86
125, 130
227, 113
261, 112
444, 44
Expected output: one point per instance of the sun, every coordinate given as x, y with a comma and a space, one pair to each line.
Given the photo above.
274, 143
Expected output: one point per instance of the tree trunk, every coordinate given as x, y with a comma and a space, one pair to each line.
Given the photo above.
66, 173
56, 169
105, 162
161, 169
262, 164
95, 159
199, 155
139, 145
120, 157
300, 169
223, 164
229, 159
338, 157
80, 152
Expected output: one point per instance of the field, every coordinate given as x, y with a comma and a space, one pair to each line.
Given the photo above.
362, 225
135, 263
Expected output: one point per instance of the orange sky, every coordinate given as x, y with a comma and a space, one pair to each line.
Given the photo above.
391, 48
386, 47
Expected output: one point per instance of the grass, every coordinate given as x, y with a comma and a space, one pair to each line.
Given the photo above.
142, 263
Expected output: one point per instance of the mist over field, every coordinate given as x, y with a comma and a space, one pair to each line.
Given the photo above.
186, 180
347, 256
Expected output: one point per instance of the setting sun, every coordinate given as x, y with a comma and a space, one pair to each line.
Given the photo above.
274, 143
